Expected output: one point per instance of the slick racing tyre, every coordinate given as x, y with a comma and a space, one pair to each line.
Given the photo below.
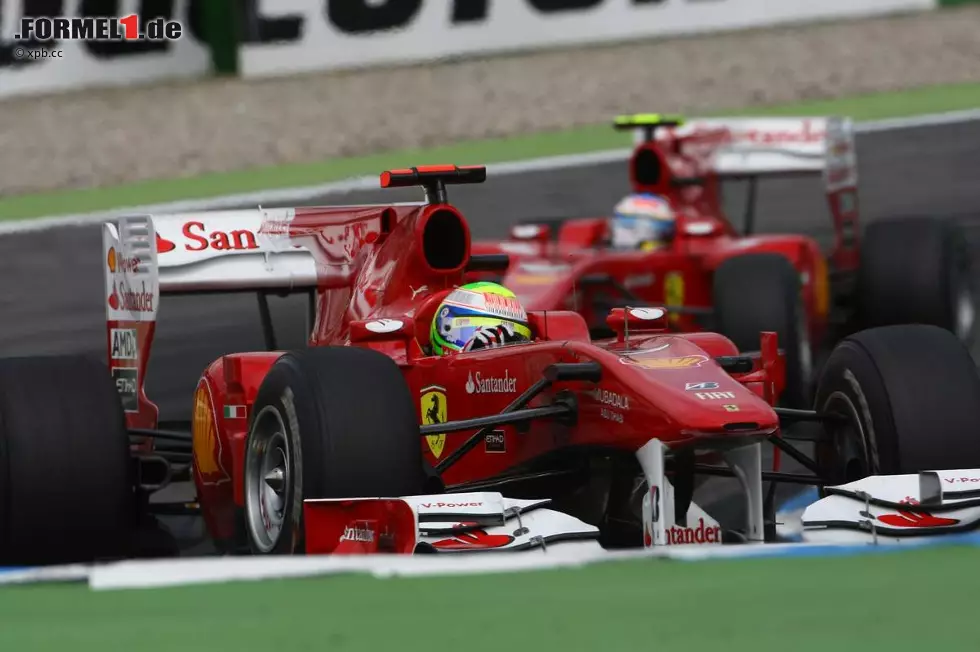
908, 398
761, 292
66, 485
332, 422
917, 271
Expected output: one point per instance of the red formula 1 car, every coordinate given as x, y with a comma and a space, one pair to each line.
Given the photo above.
598, 442
712, 276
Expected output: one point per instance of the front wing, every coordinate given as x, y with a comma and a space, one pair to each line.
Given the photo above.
895, 509
875, 510
446, 523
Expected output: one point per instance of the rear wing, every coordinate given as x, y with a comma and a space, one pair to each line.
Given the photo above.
751, 148
245, 250
267, 251
224, 251
757, 146
231, 251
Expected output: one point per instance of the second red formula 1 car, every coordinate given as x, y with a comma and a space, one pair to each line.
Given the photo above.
713, 276
368, 441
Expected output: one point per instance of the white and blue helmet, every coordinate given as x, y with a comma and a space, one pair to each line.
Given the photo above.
642, 221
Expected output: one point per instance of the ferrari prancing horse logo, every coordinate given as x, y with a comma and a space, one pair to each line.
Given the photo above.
433, 403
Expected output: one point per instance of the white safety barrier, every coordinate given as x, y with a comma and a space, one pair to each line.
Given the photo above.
283, 37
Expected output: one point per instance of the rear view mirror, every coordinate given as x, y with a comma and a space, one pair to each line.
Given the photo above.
637, 320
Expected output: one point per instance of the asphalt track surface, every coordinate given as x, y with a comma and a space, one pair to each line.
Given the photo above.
52, 299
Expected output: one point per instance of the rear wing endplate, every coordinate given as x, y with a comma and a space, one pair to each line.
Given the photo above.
132, 295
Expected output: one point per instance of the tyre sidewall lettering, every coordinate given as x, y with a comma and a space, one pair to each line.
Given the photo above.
295, 506
867, 419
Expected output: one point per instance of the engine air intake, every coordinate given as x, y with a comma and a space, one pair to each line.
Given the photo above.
445, 241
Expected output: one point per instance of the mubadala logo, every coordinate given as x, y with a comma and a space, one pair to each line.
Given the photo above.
123, 342
612, 399
479, 384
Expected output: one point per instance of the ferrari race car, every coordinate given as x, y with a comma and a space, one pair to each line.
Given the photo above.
366, 442
714, 276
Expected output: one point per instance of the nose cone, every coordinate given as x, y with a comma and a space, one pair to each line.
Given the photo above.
692, 390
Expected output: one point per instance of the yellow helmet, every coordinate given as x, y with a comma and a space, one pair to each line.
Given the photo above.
473, 307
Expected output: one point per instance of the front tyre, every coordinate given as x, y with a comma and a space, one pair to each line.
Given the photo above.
332, 422
909, 396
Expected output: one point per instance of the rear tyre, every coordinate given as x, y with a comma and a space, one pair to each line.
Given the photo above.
917, 271
910, 395
761, 292
66, 485
334, 422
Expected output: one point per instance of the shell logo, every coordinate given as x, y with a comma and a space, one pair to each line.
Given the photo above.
821, 287
207, 446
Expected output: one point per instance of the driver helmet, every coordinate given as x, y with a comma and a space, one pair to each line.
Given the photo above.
473, 308
642, 221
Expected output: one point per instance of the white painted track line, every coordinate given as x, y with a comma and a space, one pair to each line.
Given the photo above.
305, 194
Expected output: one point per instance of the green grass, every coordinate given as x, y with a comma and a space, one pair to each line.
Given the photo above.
902, 601
585, 139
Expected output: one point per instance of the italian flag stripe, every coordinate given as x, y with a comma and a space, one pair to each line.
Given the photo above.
234, 411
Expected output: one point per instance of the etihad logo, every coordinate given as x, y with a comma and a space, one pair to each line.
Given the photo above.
479, 384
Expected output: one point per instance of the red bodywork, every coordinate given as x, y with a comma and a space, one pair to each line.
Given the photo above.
398, 262
552, 271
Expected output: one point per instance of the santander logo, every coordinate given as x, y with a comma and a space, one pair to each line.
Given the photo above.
450, 505
474, 539
701, 534
198, 238
164, 245
915, 519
